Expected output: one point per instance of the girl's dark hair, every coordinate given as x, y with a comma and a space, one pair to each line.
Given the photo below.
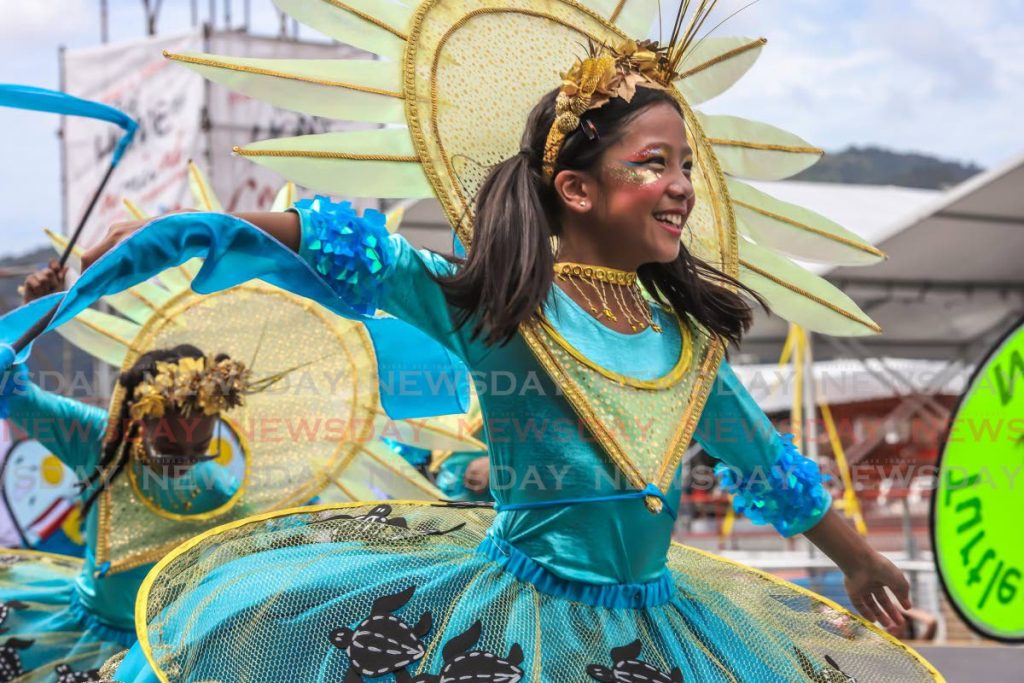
121, 430
510, 267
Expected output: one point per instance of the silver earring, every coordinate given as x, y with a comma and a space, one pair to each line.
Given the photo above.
583, 204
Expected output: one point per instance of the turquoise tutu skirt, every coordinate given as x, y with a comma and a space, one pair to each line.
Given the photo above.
417, 592
45, 634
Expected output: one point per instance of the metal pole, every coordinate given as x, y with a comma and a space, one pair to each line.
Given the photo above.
104, 22
909, 544
213, 14
810, 430
206, 122
247, 15
227, 15
194, 7
62, 133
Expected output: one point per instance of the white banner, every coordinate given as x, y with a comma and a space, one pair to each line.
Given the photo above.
165, 99
239, 120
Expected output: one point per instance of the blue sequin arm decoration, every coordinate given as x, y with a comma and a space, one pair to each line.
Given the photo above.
350, 251
789, 494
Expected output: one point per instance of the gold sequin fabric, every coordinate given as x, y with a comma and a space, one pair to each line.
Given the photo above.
644, 429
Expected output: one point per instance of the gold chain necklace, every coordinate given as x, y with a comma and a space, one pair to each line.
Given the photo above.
619, 282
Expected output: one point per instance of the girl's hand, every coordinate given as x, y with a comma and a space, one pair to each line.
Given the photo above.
115, 234
866, 582
478, 475
867, 572
43, 282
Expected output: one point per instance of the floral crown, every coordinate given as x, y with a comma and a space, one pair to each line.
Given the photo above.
192, 385
609, 72
592, 82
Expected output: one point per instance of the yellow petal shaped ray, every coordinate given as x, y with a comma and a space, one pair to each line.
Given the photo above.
347, 89
635, 17
714, 65
433, 434
609, 9
379, 163
372, 25
286, 196
101, 335
395, 217
800, 296
179, 278
796, 231
140, 302
134, 210
378, 467
202, 192
750, 149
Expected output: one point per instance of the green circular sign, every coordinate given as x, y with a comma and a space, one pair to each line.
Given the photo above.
978, 505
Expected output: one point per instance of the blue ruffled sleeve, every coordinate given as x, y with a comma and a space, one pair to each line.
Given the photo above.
371, 270
71, 430
352, 252
770, 481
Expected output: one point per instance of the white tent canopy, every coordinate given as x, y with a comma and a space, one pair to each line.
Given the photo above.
954, 279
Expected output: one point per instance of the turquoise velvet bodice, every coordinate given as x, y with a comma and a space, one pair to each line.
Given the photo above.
538, 448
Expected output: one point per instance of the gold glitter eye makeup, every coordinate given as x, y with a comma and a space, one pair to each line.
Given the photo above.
634, 175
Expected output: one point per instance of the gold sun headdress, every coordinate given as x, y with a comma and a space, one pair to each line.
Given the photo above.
430, 83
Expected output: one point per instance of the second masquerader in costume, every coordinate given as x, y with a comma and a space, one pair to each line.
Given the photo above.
193, 441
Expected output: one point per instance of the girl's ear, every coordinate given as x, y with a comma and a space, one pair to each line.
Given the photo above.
576, 190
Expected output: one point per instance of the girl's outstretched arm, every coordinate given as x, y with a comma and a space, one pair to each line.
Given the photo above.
773, 483
334, 239
282, 225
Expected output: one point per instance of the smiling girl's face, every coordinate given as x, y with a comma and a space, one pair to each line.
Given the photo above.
645, 191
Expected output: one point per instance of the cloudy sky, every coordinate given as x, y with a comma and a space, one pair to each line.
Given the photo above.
944, 77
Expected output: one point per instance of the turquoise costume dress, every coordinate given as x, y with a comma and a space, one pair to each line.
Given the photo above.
63, 612
571, 576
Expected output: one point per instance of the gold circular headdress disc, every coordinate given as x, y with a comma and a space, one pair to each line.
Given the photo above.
474, 71
299, 433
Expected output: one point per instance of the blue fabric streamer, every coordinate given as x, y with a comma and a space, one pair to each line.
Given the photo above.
234, 252
789, 495
54, 102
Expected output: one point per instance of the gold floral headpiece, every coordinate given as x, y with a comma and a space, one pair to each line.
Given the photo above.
605, 74
609, 72
192, 385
